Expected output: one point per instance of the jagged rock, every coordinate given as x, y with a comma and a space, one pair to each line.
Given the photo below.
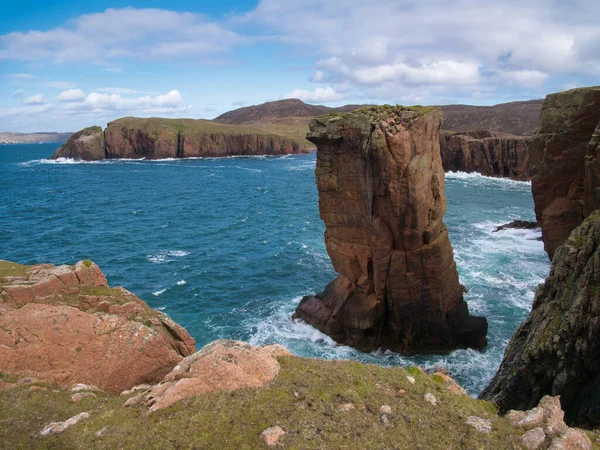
222, 365
59, 427
489, 153
115, 341
381, 196
430, 398
556, 351
564, 165
533, 419
451, 384
519, 225
481, 425
533, 438
78, 396
385, 409
158, 138
572, 440
272, 435
87, 145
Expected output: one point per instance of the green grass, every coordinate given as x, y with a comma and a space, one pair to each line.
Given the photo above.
11, 269
304, 400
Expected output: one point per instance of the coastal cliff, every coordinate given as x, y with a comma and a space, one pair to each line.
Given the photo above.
556, 351
486, 152
381, 196
563, 157
155, 138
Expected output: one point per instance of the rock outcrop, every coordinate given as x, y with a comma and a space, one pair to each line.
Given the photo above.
564, 165
556, 351
64, 324
86, 144
156, 138
381, 196
488, 153
222, 365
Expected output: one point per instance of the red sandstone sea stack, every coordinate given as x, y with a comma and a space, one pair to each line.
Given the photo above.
381, 196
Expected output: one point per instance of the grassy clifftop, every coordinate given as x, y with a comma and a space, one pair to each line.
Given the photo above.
319, 404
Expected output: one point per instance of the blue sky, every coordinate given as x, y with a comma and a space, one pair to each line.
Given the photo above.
65, 65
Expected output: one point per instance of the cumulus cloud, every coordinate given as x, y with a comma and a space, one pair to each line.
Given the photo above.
327, 94
18, 93
438, 48
70, 95
37, 99
103, 102
122, 33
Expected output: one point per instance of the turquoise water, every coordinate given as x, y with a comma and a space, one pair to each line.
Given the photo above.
227, 247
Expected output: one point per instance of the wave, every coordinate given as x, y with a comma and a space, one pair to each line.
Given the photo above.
181, 283
475, 177
159, 292
164, 256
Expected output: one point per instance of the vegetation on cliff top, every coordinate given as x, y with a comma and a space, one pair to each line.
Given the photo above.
306, 400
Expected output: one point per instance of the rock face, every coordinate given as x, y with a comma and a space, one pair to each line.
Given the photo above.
564, 164
65, 325
556, 351
155, 138
222, 365
488, 153
381, 196
87, 144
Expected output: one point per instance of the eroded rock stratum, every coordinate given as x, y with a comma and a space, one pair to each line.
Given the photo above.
381, 196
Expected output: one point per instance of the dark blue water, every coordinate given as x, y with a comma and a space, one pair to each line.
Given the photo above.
227, 247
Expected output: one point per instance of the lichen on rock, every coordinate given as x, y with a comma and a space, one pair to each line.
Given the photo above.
381, 196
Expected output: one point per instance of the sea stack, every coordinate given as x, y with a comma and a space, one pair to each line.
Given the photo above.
565, 170
381, 196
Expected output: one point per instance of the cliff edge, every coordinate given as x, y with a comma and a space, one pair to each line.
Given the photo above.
381, 196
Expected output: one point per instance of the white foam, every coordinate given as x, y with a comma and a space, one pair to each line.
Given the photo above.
157, 293
477, 176
181, 283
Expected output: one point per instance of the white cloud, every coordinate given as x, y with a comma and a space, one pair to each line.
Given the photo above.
102, 102
25, 112
525, 77
22, 76
327, 94
317, 77
117, 90
122, 33
71, 95
18, 93
37, 99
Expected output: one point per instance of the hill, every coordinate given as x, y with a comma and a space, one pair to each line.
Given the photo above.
32, 138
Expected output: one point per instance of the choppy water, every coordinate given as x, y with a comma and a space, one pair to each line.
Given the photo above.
227, 247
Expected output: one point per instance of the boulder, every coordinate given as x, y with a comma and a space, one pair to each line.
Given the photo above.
222, 365
565, 169
64, 324
556, 351
381, 196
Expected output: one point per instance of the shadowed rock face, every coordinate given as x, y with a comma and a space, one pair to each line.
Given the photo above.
488, 153
565, 169
87, 144
155, 138
65, 325
381, 196
556, 351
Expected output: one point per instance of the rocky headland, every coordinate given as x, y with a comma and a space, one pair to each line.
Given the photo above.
557, 349
486, 152
564, 163
32, 138
381, 196
73, 353
156, 138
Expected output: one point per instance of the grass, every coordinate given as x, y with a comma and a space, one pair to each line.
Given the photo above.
304, 400
11, 269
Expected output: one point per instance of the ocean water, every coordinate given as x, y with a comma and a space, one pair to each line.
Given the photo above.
227, 247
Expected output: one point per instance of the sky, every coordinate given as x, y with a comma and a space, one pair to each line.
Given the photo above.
71, 64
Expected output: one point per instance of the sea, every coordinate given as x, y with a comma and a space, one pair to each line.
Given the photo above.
228, 246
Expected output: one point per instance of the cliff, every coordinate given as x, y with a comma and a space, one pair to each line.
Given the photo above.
381, 196
488, 153
564, 166
65, 325
156, 138
556, 351
61, 326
